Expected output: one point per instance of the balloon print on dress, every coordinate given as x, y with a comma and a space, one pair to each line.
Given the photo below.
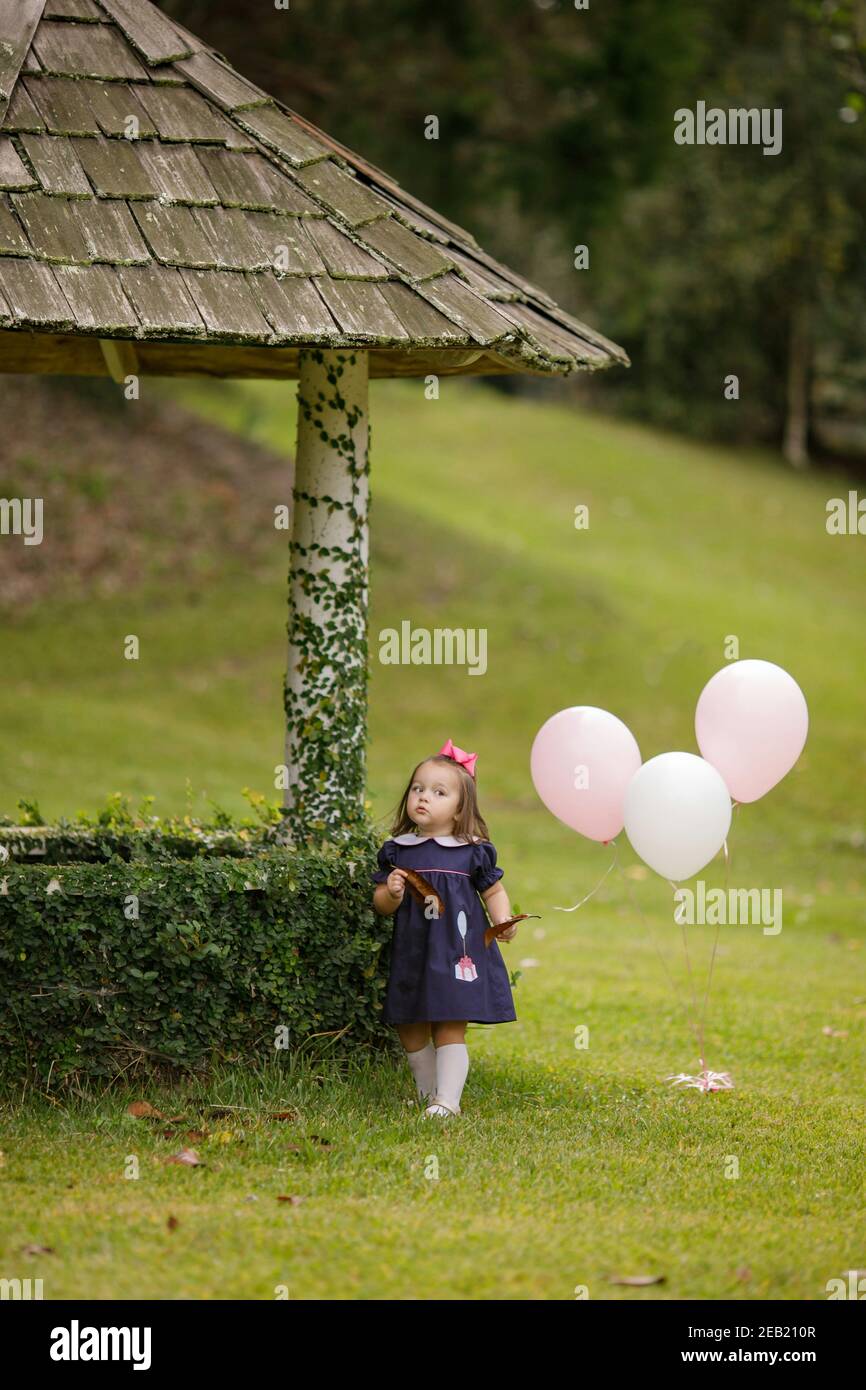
464, 969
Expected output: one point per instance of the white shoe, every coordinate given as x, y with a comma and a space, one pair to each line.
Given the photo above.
440, 1108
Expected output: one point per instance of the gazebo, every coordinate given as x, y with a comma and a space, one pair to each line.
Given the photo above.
162, 216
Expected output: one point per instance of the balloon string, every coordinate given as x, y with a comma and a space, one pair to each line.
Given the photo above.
727, 883
715, 945
696, 1023
591, 894
671, 981
713, 955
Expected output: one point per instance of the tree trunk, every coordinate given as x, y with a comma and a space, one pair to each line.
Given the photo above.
796, 442
326, 678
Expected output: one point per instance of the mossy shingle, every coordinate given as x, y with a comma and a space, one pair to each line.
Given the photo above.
148, 189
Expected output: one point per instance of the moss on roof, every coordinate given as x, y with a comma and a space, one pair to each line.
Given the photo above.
147, 190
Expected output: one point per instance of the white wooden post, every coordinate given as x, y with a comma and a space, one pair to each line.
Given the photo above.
327, 674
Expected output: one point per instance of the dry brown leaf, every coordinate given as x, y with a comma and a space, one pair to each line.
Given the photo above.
421, 888
172, 1223
490, 932
37, 1250
284, 1115
293, 1199
143, 1110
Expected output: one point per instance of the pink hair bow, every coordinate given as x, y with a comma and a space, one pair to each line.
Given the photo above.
460, 756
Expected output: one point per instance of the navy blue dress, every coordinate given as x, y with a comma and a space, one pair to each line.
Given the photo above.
440, 968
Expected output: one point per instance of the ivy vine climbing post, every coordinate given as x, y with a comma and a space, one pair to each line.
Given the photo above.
327, 671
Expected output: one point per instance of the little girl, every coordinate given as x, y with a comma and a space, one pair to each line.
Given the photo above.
442, 974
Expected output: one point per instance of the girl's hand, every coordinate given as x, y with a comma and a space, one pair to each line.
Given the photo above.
508, 935
396, 882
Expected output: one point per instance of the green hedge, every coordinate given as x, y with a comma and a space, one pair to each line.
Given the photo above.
74, 844
137, 834
223, 950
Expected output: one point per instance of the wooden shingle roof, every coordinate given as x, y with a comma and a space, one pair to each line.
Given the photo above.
150, 194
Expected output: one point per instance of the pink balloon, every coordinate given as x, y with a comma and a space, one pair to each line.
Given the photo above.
751, 724
582, 761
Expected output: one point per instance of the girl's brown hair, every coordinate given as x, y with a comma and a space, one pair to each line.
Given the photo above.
469, 823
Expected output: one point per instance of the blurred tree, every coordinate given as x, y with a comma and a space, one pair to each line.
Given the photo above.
736, 261
556, 129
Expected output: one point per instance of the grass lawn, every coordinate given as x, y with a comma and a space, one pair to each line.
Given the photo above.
569, 1165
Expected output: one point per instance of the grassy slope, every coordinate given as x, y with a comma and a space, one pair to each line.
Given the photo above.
568, 1164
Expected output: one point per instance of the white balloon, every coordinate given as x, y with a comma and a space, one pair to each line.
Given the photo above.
677, 814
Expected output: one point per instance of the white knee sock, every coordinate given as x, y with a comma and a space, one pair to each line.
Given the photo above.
452, 1065
423, 1064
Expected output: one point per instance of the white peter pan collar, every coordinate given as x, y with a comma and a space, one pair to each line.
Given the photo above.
411, 839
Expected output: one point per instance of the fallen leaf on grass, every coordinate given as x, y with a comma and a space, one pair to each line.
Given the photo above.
37, 1250
636, 1281
834, 1032
284, 1115
172, 1223
143, 1110
293, 1199
189, 1157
